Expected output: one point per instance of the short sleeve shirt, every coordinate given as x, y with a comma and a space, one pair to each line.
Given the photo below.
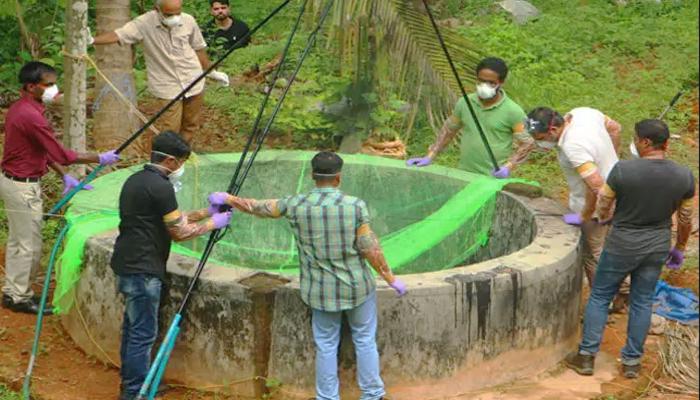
585, 139
497, 121
647, 194
334, 277
143, 244
221, 40
171, 58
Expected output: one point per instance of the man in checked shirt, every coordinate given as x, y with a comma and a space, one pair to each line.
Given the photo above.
335, 242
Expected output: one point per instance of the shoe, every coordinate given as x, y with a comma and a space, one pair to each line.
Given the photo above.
26, 306
162, 388
580, 363
127, 396
6, 301
631, 371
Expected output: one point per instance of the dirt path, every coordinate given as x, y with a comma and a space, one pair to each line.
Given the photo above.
64, 372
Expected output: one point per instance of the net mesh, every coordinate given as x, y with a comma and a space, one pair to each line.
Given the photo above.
427, 219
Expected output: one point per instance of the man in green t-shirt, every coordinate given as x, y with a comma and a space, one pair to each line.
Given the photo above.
501, 119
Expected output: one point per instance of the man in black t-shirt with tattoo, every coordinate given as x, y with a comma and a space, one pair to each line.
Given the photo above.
223, 31
150, 221
645, 193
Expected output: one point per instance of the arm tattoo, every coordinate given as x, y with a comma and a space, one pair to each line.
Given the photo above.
181, 229
447, 134
685, 223
369, 248
526, 144
259, 208
605, 204
197, 215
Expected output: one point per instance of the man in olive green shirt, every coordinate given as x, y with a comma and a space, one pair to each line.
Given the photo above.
501, 119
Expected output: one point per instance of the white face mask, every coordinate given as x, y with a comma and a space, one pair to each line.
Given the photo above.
171, 21
50, 94
545, 144
486, 91
633, 150
175, 177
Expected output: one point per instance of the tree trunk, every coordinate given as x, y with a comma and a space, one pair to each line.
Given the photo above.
113, 120
364, 83
74, 95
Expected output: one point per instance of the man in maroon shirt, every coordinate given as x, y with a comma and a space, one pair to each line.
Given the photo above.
30, 150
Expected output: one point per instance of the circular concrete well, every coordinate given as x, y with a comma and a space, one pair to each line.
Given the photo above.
493, 277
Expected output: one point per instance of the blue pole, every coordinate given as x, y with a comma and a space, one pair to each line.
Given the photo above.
40, 316
163, 365
169, 337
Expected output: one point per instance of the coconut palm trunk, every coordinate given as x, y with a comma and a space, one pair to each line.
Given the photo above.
113, 121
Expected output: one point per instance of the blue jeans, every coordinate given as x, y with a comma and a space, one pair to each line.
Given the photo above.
363, 325
140, 327
612, 270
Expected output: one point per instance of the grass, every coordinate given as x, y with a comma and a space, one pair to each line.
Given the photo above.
7, 394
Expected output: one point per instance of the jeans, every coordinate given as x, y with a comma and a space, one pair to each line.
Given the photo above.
363, 325
612, 270
139, 329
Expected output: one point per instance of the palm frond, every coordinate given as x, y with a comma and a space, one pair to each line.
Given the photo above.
405, 35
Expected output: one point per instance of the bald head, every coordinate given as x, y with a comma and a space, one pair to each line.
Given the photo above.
169, 7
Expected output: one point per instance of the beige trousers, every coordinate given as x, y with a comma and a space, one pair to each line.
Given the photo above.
183, 117
23, 206
593, 235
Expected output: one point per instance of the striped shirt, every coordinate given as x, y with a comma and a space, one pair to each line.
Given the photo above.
334, 277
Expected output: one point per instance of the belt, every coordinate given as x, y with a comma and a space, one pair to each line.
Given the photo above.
18, 179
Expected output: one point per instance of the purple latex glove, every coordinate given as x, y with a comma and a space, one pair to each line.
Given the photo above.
221, 220
70, 182
675, 259
218, 198
501, 173
212, 209
419, 162
573, 219
399, 286
109, 158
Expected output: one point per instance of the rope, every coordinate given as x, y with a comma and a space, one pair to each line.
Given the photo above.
120, 95
89, 334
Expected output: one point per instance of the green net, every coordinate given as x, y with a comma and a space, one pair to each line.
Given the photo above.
427, 219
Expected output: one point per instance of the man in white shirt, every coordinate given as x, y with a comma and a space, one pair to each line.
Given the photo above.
175, 53
587, 142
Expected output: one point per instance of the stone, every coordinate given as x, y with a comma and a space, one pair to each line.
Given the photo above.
658, 323
522, 11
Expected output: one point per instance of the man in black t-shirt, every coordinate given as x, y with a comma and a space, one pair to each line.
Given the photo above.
150, 220
645, 192
223, 31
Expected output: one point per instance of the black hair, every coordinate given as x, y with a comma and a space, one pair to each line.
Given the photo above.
655, 130
496, 65
326, 165
34, 71
169, 142
541, 119
224, 2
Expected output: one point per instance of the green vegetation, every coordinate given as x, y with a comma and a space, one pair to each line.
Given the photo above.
627, 61
7, 394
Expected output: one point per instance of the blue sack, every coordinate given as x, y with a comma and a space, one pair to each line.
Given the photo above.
676, 304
